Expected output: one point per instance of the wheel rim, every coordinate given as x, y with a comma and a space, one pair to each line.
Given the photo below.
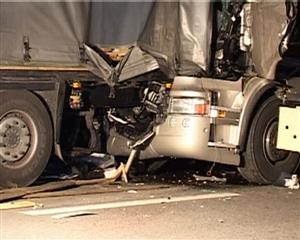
18, 138
272, 154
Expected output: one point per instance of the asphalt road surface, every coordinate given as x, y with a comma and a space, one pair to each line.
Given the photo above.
156, 210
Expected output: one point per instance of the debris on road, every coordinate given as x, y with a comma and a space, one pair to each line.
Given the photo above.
116, 173
210, 179
16, 193
72, 188
226, 199
94, 189
38, 205
16, 204
139, 184
293, 182
132, 191
288, 180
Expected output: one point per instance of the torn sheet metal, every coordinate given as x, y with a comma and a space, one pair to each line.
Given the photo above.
139, 62
100, 66
134, 63
269, 24
178, 35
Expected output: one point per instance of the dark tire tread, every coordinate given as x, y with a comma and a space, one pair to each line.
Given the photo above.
27, 173
253, 169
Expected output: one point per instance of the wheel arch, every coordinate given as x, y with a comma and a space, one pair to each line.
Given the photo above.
255, 94
53, 101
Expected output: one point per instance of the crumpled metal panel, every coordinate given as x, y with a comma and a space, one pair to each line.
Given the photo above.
99, 66
178, 35
135, 63
269, 23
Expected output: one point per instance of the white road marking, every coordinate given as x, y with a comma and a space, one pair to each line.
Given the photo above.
131, 203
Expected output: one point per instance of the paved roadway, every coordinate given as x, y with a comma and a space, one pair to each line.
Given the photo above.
204, 211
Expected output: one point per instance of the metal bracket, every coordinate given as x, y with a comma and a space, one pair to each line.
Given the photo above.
26, 54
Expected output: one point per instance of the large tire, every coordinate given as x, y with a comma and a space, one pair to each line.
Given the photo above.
26, 138
262, 162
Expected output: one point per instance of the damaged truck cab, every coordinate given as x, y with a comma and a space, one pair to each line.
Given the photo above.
197, 80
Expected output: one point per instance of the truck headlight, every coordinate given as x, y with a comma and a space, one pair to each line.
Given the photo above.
198, 106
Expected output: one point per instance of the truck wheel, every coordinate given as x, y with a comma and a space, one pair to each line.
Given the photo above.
263, 162
25, 138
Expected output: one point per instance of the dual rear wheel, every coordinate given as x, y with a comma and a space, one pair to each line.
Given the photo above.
26, 138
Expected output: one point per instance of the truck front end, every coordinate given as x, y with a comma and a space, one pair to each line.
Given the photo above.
198, 120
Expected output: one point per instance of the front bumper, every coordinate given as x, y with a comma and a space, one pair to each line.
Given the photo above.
180, 136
